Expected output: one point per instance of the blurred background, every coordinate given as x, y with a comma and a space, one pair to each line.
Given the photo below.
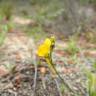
60, 17
23, 26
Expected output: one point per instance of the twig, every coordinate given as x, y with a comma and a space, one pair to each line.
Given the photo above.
44, 85
33, 55
35, 78
43, 82
58, 87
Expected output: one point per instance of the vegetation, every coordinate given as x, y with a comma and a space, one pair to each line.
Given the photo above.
91, 83
4, 30
72, 47
6, 10
67, 30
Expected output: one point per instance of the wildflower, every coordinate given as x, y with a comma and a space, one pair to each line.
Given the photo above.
44, 49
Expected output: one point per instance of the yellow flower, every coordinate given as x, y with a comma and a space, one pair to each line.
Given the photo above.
47, 42
44, 49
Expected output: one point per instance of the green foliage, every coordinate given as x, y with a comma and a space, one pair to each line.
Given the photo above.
90, 36
62, 88
41, 2
93, 1
6, 10
44, 13
94, 65
4, 30
40, 16
91, 83
24, 13
49, 11
84, 2
9, 66
72, 47
1, 17
36, 32
10, 26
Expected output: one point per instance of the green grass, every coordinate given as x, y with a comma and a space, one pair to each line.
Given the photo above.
4, 30
72, 47
94, 65
91, 84
36, 32
6, 10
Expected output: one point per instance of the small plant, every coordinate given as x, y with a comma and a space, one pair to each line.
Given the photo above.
4, 30
62, 88
45, 51
94, 65
72, 47
91, 83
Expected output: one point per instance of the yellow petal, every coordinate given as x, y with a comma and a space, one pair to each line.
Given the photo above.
47, 42
43, 50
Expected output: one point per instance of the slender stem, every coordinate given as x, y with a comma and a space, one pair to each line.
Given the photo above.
52, 67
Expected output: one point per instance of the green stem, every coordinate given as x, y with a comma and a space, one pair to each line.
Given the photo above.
53, 69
